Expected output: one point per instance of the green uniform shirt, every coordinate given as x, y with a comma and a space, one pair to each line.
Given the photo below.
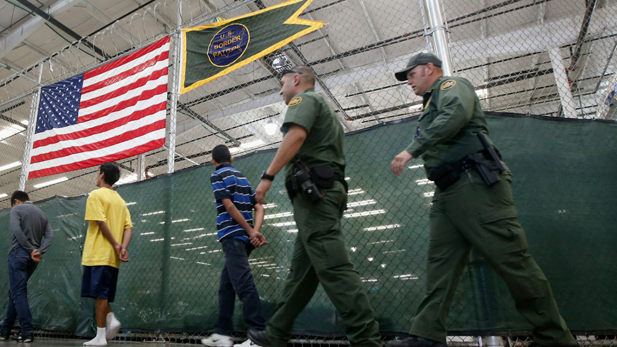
325, 138
447, 128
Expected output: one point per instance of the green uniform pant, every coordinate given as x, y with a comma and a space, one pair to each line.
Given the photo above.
474, 215
320, 256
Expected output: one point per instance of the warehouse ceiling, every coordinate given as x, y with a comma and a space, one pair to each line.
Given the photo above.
522, 56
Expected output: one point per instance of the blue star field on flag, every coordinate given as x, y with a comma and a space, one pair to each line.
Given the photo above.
59, 106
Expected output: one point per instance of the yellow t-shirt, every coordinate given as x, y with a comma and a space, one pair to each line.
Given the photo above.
105, 205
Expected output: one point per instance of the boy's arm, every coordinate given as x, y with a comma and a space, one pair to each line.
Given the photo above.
126, 240
104, 228
257, 239
260, 212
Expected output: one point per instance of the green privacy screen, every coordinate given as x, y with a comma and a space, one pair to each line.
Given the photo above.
564, 185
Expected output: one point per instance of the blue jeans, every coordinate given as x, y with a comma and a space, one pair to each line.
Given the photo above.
236, 278
21, 267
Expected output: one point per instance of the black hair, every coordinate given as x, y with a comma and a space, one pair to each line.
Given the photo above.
111, 171
221, 154
19, 195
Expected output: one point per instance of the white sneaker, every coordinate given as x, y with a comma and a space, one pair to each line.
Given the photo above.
216, 340
247, 343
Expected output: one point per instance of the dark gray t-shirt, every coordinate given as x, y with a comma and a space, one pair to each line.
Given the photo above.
30, 228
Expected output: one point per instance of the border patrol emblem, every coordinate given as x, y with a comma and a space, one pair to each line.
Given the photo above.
228, 45
448, 84
295, 101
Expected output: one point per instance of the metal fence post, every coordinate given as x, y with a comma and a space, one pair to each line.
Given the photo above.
23, 177
175, 90
563, 86
438, 31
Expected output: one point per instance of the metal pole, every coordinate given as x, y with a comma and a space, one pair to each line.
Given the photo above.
440, 39
563, 85
23, 177
141, 167
175, 91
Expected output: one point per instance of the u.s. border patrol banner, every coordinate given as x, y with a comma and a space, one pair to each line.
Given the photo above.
213, 50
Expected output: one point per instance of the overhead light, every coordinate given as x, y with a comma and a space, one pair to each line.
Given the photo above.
424, 181
482, 93
49, 183
383, 227
127, 179
361, 203
10, 166
416, 166
271, 127
415, 108
247, 145
3, 195
24, 122
278, 215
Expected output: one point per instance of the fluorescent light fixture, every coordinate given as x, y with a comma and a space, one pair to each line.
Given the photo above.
215, 251
370, 259
189, 230
292, 230
370, 280
49, 183
405, 276
482, 93
127, 179
131, 203
379, 242
24, 122
429, 194
278, 215
284, 224
152, 213
3, 195
156, 240
365, 213
383, 266
10, 166
415, 108
200, 263
361, 203
424, 181
10, 131
353, 249
416, 166
355, 192
347, 178
176, 258
182, 244
269, 205
194, 248
148, 233
383, 227
246, 146
180, 220
271, 127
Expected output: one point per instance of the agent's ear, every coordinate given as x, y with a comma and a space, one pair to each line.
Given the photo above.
297, 80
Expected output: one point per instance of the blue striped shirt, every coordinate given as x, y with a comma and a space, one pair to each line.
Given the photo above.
229, 183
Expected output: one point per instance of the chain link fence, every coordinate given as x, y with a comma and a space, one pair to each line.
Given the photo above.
534, 57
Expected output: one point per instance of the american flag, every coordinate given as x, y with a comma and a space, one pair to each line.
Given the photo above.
115, 111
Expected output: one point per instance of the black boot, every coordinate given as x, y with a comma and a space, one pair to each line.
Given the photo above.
259, 337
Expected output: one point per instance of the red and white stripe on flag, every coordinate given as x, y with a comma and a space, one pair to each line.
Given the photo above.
113, 112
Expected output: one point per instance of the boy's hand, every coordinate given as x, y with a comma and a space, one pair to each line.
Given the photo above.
36, 256
124, 254
258, 240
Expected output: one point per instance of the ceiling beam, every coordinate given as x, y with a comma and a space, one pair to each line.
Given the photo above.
17, 36
47, 17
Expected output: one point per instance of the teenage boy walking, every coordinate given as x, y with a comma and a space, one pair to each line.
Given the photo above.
235, 201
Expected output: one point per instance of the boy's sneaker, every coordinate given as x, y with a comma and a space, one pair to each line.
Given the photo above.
216, 340
5, 335
247, 343
24, 338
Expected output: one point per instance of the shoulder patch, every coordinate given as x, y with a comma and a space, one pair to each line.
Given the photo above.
295, 101
448, 84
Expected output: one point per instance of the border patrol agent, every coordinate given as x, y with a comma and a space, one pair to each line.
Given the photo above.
313, 150
472, 207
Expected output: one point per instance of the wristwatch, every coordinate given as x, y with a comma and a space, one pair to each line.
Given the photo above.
265, 176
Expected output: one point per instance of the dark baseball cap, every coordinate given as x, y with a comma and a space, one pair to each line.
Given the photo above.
418, 59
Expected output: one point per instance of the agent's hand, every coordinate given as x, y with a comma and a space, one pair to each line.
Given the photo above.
398, 164
36, 256
262, 189
258, 240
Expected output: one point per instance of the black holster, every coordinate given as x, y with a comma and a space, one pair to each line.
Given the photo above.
312, 183
447, 174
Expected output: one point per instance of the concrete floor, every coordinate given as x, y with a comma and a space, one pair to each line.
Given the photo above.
40, 342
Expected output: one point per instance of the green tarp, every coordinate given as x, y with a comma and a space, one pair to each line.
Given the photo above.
564, 187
